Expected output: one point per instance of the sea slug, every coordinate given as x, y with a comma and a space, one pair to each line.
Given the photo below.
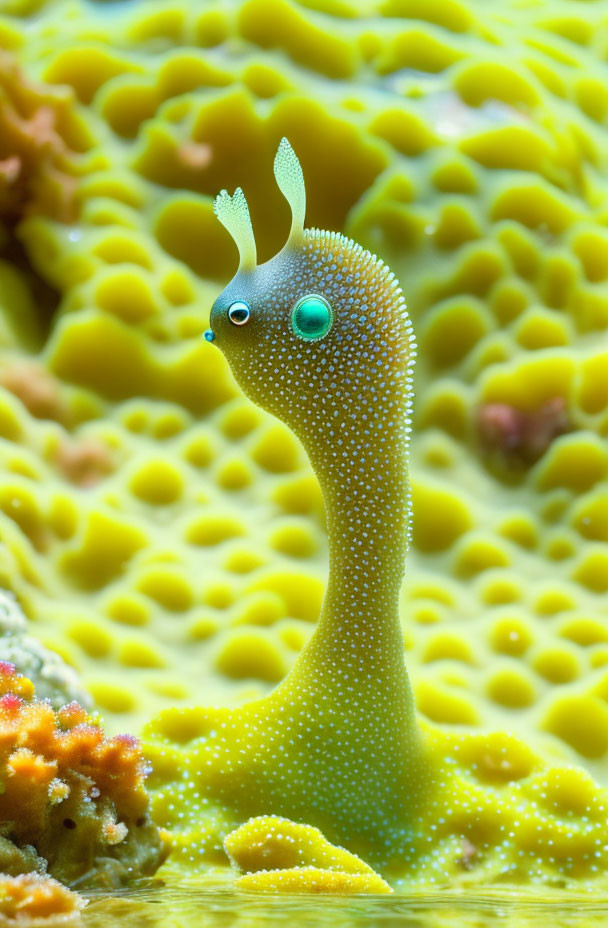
320, 337
276, 855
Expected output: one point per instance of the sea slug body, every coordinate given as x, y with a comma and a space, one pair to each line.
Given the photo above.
320, 337
276, 855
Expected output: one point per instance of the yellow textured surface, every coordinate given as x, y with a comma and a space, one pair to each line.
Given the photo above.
475, 142
312, 880
277, 855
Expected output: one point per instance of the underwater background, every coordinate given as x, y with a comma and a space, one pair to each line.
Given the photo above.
165, 536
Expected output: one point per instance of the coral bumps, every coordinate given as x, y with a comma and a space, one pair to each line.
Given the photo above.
464, 143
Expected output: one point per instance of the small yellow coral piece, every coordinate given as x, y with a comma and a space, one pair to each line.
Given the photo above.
279, 855
312, 880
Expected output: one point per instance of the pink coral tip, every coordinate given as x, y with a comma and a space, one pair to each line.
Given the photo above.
10, 704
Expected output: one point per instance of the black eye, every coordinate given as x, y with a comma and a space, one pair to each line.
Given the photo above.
239, 313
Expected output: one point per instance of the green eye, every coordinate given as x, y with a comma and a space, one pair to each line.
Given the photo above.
311, 317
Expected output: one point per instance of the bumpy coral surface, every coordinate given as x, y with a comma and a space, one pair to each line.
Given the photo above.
70, 800
466, 145
35, 901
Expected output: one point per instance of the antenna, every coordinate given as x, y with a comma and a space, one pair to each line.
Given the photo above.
290, 179
233, 213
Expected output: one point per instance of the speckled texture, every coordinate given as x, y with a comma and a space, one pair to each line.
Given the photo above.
337, 744
276, 855
341, 727
470, 155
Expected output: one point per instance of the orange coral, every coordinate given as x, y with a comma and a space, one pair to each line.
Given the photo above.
519, 437
74, 796
36, 161
33, 900
84, 462
195, 155
37, 389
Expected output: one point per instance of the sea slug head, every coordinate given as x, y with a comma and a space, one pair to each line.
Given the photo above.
318, 332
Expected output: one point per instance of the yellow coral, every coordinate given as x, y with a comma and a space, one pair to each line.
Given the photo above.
312, 880
278, 855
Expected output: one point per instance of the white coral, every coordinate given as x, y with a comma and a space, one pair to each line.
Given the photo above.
51, 676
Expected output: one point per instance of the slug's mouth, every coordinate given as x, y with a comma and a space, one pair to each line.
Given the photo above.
209, 335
